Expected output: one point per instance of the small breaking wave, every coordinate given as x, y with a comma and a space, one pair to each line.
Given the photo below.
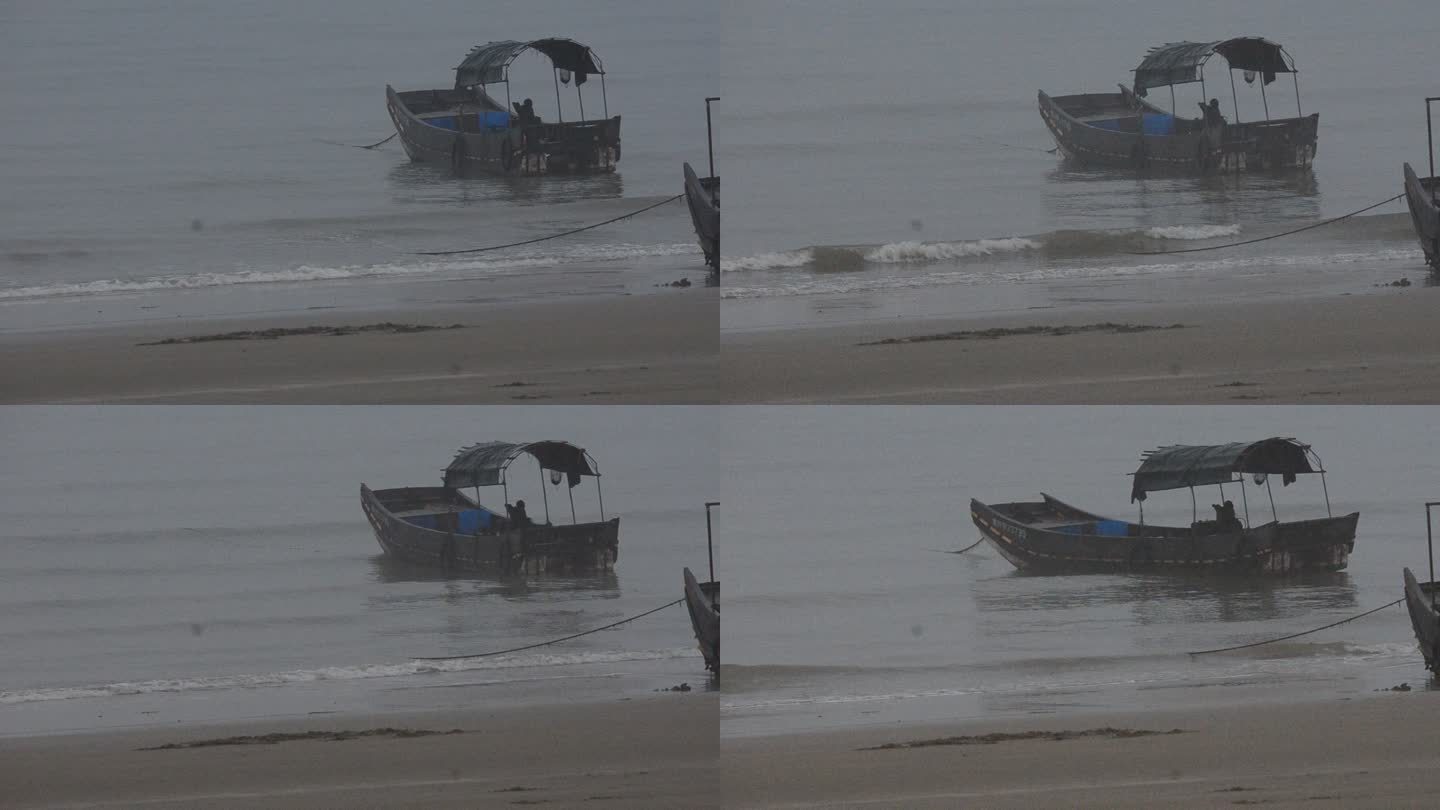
1192, 231
767, 261
309, 273
906, 252
350, 673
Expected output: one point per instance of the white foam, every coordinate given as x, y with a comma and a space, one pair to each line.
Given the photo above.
902, 252
849, 284
360, 672
1192, 231
767, 261
515, 262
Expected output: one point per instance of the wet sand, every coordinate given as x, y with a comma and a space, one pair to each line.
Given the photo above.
650, 349
657, 752
1375, 347
1369, 752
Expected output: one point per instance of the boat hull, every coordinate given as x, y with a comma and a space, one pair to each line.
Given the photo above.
1422, 194
702, 600
1050, 536
702, 196
1419, 600
578, 147
1107, 130
504, 551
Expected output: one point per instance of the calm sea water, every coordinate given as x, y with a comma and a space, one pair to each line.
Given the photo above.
892, 161
170, 148
173, 563
843, 606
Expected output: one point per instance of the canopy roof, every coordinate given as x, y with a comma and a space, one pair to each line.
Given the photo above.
1181, 62
483, 465
1178, 466
490, 63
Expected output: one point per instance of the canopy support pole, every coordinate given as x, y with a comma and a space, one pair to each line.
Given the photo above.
604, 99
544, 496
1323, 486
571, 490
1142, 513
1172, 100
1271, 493
580, 96
1194, 510
1234, 97
710, 141
1245, 499
559, 111
1263, 99
1296, 77
504, 489
601, 496
1203, 95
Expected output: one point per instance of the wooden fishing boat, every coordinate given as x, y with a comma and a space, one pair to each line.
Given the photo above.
1422, 600
471, 131
702, 196
702, 600
1422, 194
1052, 536
1125, 130
443, 526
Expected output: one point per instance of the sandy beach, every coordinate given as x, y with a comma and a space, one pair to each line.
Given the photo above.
651, 349
1380, 346
1367, 752
653, 752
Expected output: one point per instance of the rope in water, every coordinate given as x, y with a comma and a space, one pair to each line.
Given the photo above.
359, 146
961, 551
1264, 238
551, 236
553, 641
1297, 635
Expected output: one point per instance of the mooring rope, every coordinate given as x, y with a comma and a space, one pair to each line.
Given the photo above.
359, 146
1264, 238
1306, 633
553, 641
551, 236
961, 551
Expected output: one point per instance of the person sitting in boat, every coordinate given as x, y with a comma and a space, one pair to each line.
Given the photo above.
517, 514
525, 110
1225, 518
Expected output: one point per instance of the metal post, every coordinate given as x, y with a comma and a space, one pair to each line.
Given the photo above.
1296, 77
602, 497
604, 98
571, 490
544, 496
1172, 99
580, 96
1204, 96
1194, 510
1430, 543
504, 489
1142, 514
710, 140
1264, 100
1430, 139
710, 537
1234, 97
1271, 493
1323, 486
559, 111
